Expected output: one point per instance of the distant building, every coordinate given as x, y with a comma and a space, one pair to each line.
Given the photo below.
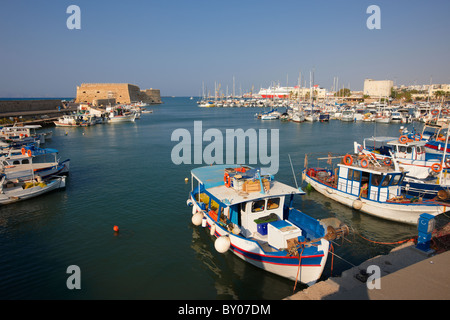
378, 88
111, 93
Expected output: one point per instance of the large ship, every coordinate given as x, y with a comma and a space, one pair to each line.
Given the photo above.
275, 92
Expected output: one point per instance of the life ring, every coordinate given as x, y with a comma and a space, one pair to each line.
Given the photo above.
364, 163
435, 112
387, 162
418, 136
403, 139
447, 163
23, 151
444, 111
348, 160
29, 153
436, 167
227, 180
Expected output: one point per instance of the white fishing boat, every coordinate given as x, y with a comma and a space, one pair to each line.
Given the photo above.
120, 115
71, 120
13, 190
252, 216
41, 162
365, 184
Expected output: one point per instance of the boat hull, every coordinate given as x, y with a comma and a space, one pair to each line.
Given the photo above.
19, 194
307, 270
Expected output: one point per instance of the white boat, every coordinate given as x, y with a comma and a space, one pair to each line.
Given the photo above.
252, 216
297, 117
45, 165
348, 116
383, 116
397, 117
373, 188
311, 117
120, 115
18, 190
71, 120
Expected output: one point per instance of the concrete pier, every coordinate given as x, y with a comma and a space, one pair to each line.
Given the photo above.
406, 273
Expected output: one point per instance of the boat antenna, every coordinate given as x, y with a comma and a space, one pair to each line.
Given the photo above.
293, 173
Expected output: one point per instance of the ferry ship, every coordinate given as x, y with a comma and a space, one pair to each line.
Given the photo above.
275, 92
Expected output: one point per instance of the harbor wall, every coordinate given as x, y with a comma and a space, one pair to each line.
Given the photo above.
11, 106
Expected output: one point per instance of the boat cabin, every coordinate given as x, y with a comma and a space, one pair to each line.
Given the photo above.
390, 146
369, 184
380, 184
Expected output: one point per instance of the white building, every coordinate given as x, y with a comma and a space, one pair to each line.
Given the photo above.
378, 88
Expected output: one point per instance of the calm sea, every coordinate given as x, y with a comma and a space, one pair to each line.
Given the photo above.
122, 174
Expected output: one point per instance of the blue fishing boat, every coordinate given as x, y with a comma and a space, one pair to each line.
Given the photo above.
251, 215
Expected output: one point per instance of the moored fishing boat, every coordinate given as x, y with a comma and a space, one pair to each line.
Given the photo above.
71, 120
121, 115
34, 162
373, 188
17, 190
252, 216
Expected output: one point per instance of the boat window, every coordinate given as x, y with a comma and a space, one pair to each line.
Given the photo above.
386, 180
25, 161
402, 149
350, 174
396, 179
356, 175
258, 206
409, 150
273, 203
376, 179
214, 205
16, 162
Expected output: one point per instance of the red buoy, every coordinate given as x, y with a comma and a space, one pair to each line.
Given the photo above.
116, 228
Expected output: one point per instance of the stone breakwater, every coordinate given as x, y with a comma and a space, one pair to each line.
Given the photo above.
33, 111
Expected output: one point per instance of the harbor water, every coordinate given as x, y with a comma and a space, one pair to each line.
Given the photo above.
123, 174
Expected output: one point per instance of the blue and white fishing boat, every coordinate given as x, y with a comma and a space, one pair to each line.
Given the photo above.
43, 162
426, 173
251, 215
363, 183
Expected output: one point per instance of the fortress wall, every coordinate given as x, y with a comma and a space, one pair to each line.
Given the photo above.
121, 92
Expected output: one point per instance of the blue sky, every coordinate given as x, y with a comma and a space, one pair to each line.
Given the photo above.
175, 45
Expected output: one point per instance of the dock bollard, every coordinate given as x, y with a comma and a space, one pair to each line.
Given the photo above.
425, 226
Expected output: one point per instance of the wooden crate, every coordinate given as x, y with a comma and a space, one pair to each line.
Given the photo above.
254, 186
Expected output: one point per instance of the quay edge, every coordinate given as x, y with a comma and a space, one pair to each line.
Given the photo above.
406, 273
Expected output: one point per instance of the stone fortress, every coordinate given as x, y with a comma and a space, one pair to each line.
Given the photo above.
111, 93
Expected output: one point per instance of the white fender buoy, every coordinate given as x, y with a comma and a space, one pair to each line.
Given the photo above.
194, 208
213, 229
357, 204
204, 222
222, 244
189, 202
197, 219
